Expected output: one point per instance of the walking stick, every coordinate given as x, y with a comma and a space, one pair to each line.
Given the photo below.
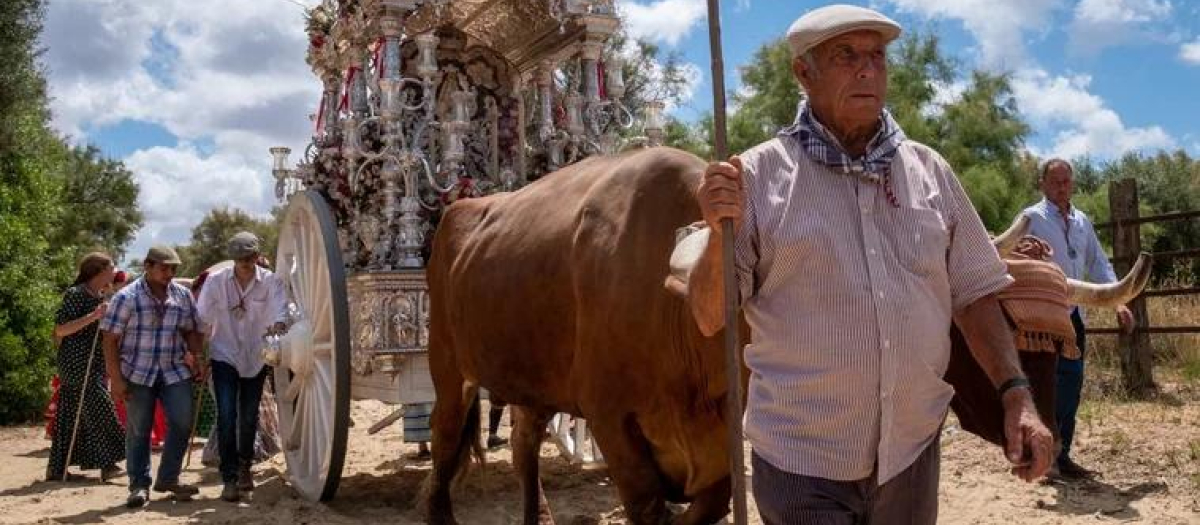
79, 409
187, 462
733, 368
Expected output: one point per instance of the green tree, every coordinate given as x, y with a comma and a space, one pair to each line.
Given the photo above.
101, 196
1167, 182
209, 238
767, 100
33, 271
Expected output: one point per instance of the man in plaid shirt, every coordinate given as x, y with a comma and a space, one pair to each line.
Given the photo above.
152, 346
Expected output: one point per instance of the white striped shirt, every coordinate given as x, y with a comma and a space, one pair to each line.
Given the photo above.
849, 300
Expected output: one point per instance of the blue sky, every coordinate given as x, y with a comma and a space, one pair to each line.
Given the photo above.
191, 94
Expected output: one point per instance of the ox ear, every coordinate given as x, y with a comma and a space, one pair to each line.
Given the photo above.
1007, 241
690, 242
1115, 294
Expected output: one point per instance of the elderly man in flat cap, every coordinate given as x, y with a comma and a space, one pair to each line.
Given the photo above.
238, 306
152, 345
855, 250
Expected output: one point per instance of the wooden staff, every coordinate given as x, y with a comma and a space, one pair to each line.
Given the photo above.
79, 409
733, 368
187, 462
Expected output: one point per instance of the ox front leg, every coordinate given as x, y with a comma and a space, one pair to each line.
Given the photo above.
528, 430
633, 470
709, 506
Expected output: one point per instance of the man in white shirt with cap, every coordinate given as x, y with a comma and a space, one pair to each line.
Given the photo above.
238, 305
855, 250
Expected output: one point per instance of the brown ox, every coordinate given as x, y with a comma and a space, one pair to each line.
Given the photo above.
552, 298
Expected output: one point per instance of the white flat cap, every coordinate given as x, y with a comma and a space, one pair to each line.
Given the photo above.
819, 25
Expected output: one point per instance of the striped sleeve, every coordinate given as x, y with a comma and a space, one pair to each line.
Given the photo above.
975, 268
746, 242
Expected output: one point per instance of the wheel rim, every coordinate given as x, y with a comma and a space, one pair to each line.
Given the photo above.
313, 378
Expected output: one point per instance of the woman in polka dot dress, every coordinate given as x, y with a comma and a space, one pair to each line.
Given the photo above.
100, 441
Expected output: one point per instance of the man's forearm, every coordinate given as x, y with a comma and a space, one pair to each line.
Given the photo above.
195, 343
706, 288
112, 355
990, 339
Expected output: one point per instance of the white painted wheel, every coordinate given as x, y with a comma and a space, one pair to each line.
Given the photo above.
313, 376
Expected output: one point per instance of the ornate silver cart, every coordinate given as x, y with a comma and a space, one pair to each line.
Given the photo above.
425, 102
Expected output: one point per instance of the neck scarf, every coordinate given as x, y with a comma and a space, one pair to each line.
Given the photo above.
874, 167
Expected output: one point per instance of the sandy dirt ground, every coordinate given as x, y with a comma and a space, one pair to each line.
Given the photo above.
1149, 453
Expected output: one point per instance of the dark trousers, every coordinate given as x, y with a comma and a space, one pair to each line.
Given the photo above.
237, 417
784, 498
1068, 386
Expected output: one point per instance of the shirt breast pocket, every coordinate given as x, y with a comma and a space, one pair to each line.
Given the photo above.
258, 297
919, 239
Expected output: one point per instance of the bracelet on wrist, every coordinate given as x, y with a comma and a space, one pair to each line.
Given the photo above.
1016, 382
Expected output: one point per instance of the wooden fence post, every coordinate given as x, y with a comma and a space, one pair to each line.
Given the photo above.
1137, 356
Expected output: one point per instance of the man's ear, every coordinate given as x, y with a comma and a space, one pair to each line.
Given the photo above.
802, 72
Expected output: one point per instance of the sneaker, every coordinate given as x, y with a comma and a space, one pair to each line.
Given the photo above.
1069, 469
176, 488
494, 441
230, 493
137, 498
245, 479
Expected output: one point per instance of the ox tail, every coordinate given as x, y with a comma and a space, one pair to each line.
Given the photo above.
470, 442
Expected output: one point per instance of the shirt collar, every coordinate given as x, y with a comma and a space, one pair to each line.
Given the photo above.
1056, 210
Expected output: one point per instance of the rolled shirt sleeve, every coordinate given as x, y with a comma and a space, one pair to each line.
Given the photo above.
189, 319
974, 267
117, 316
746, 240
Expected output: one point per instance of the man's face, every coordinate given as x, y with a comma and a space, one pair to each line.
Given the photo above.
159, 273
849, 85
1058, 184
247, 263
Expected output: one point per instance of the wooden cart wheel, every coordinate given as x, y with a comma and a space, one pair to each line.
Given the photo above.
312, 379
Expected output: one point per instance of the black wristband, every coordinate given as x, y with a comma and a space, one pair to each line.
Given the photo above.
1016, 382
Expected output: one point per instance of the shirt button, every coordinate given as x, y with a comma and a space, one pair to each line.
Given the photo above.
871, 251
880, 294
887, 343
866, 211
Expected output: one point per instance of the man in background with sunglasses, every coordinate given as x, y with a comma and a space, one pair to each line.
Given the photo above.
152, 346
238, 305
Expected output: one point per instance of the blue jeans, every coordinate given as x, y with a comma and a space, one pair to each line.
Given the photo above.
1068, 386
237, 416
139, 407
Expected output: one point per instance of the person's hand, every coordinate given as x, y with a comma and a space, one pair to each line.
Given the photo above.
1028, 443
100, 310
118, 388
722, 194
279, 328
196, 365
1125, 319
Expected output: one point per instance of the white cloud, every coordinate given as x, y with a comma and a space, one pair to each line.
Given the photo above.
1190, 52
999, 26
1080, 122
665, 21
223, 72
1098, 24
